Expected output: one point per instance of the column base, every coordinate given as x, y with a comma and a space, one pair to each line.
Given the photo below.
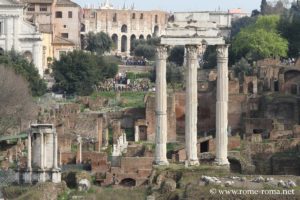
161, 163
189, 163
221, 162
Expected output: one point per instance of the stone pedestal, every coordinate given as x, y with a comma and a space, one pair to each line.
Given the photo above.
161, 107
222, 106
191, 105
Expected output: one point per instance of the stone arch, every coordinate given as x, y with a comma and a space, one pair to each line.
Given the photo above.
128, 182
124, 28
148, 37
132, 39
124, 43
235, 166
141, 37
115, 38
155, 31
28, 56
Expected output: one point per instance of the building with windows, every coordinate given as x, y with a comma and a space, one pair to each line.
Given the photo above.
18, 34
59, 23
124, 25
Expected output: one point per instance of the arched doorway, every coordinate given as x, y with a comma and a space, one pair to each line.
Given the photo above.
1, 51
128, 182
148, 37
132, 39
156, 30
235, 166
114, 38
124, 28
28, 56
294, 89
141, 37
124, 43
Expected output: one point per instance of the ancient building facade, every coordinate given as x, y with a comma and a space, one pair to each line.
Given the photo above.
124, 25
59, 23
17, 34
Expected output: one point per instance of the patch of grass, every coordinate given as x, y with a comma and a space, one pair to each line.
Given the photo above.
121, 193
133, 99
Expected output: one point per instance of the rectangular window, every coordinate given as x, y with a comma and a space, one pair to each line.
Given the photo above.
142, 16
133, 16
43, 8
65, 35
31, 8
115, 17
58, 14
70, 14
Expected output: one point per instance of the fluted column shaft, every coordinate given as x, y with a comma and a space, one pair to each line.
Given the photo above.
161, 107
29, 152
55, 151
222, 106
191, 104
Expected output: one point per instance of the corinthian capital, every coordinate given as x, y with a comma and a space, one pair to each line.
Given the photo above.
192, 51
222, 51
161, 52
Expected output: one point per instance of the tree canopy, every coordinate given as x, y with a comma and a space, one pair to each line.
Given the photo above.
80, 72
21, 66
260, 40
177, 55
289, 27
145, 48
97, 43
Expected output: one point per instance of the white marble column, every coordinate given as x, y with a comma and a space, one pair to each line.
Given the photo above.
161, 107
9, 34
38, 57
222, 106
136, 133
42, 151
16, 32
29, 152
55, 151
191, 105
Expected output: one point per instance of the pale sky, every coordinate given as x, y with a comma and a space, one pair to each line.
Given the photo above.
180, 5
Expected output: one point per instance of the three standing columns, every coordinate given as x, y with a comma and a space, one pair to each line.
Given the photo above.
161, 107
191, 105
222, 106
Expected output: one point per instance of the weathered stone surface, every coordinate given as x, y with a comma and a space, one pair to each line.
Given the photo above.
169, 185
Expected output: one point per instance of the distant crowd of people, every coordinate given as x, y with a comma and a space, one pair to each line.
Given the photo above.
288, 61
135, 61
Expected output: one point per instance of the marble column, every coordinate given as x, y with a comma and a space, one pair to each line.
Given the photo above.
38, 57
29, 152
191, 105
42, 151
136, 133
16, 32
55, 151
161, 107
222, 106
